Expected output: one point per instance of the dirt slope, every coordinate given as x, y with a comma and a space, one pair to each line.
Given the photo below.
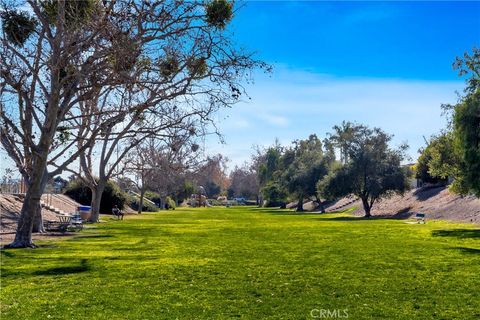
435, 202
10, 207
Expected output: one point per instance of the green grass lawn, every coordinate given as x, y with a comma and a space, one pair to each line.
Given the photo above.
222, 263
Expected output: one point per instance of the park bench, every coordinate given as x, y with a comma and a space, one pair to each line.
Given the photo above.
65, 223
420, 217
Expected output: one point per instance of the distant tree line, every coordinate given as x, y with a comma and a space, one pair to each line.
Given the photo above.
308, 169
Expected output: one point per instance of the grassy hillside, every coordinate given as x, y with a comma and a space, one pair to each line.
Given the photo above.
220, 263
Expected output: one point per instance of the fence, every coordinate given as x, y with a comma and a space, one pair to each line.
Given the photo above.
13, 187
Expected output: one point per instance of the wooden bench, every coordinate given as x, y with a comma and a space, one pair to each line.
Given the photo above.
420, 217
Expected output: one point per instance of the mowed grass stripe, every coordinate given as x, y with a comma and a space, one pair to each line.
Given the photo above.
222, 263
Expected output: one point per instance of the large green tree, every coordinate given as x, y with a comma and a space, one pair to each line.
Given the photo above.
440, 160
455, 153
341, 138
269, 165
467, 134
308, 165
466, 121
373, 169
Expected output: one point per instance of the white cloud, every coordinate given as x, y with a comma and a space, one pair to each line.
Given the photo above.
274, 120
291, 104
240, 123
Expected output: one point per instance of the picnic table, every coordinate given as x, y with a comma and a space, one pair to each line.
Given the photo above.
65, 223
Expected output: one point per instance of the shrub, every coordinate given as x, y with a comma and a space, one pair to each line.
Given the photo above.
153, 196
274, 195
216, 202
147, 206
170, 203
112, 195
185, 191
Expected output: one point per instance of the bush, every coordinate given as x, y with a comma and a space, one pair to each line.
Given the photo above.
170, 203
153, 196
147, 206
215, 202
112, 195
274, 195
185, 191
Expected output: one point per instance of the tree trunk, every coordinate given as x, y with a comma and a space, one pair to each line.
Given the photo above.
366, 207
320, 204
97, 193
31, 203
140, 202
38, 220
300, 204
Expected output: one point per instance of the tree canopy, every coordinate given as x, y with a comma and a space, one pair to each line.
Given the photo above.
373, 169
455, 153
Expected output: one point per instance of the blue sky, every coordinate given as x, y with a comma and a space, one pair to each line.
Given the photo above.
385, 64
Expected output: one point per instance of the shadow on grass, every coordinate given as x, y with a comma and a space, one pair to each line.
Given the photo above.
282, 212
83, 267
289, 212
7, 253
457, 233
468, 250
273, 211
95, 236
58, 234
371, 218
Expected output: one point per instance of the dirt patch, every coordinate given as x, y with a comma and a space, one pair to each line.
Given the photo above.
6, 238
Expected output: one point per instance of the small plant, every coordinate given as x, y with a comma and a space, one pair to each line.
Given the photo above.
195, 147
197, 67
63, 134
219, 13
169, 66
18, 26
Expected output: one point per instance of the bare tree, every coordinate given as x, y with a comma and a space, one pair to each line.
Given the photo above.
101, 159
161, 164
243, 182
59, 59
211, 174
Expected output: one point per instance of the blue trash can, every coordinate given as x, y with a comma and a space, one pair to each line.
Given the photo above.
85, 212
